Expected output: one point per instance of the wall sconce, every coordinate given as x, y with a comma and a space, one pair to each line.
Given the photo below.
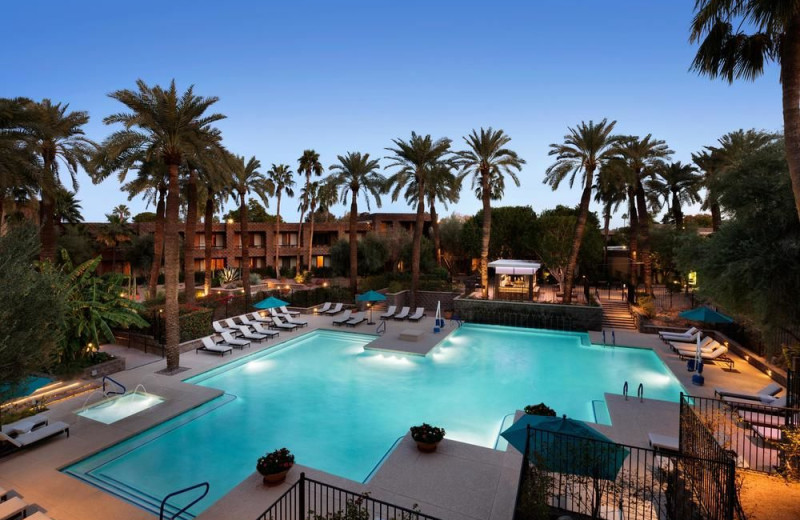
769, 372
747, 357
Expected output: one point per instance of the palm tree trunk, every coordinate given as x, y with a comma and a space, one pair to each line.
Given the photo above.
311, 238
437, 243
208, 223
172, 270
606, 224
302, 225
48, 232
2, 214
487, 229
790, 82
633, 240
677, 214
580, 226
644, 232
189, 236
158, 244
353, 244
716, 216
416, 245
245, 251
278, 237
114, 256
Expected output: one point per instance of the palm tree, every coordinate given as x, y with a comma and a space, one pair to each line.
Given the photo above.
357, 173
163, 124
246, 178
66, 208
214, 177
415, 158
122, 211
327, 196
678, 184
309, 198
18, 163
279, 181
709, 165
309, 164
112, 234
56, 136
732, 54
641, 157
584, 149
488, 161
610, 192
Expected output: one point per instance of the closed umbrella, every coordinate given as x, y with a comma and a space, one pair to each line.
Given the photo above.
704, 315
370, 296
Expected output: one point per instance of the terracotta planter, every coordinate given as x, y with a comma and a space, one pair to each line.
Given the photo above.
273, 479
427, 447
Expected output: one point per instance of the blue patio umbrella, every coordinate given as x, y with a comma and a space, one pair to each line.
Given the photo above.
568, 446
270, 303
705, 315
370, 296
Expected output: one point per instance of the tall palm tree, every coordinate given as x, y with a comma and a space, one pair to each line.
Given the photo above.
18, 163
112, 234
309, 199
678, 184
489, 162
307, 164
414, 159
610, 192
327, 196
733, 54
641, 157
57, 137
66, 208
246, 178
709, 165
584, 149
279, 182
213, 177
357, 173
122, 211
170, 126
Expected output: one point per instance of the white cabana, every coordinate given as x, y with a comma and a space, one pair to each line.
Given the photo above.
516, 267
513, 279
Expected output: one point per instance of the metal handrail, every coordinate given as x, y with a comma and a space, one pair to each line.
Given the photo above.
113, 392
640, 392
381, 329
179, 492
625, 390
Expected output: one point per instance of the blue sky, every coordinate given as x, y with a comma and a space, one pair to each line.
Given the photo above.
352, 75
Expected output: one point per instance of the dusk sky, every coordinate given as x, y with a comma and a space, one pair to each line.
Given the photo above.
351, 75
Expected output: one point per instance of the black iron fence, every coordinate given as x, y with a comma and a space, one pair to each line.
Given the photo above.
792, 389
144, 342
750, 432
599, 479
310, 499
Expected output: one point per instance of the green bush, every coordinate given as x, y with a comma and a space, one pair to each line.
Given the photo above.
648, 306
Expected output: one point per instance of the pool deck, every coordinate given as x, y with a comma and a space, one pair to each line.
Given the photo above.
460, 481
391, 340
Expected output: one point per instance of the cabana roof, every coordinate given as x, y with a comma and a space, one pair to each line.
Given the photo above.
517, 267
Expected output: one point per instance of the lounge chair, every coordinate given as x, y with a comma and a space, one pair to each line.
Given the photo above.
299, 323
749, 404
233, 326
403, 314
689, 335
769, 434
287, 312
219, 328
209, 346
245, 321
764, 418
341, 320
719, 354
230, 341
278, 324
14, 507
269, 333
357, 319
325, 308
663, 442
418, 314
26, 439
249, 334
770, 390
38, 515
260, 319
706, 344
276, 314
389, 312
25, 425
708, 349
336, 309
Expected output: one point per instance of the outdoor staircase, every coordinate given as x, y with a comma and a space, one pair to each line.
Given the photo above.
616, 315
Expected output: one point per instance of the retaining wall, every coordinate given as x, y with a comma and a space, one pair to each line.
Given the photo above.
533, 315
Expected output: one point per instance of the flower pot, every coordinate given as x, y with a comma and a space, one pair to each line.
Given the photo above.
426, 447
273, 479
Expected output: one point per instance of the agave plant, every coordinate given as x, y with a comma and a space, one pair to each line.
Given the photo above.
229, 275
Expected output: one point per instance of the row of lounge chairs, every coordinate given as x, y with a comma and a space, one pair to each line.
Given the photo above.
685, 345
13, 507
251, 327
418, 314
349, 319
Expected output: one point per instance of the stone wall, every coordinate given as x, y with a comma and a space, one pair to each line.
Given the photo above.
112, 366
532, 315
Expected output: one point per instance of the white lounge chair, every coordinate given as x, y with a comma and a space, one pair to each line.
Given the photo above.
689, 335
245, 319
664, 442
231, 323
325, 308
767, 433
389, 312
418, 314
749, 404
770, 390
230, 341
403, 314
719, 354
276, 314
706, 344
287, 312
299, 323
25, 425
249, 334
341, 320
763, 418
13, 508
38, 515
261, 330
278, 324
219, 328
209, 346
357, 319
34, 436
336, 309
706, 348
260, 319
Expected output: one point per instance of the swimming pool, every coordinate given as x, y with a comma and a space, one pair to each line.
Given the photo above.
119, 407
339, 408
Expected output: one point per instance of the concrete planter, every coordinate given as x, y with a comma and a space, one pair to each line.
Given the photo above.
112, 366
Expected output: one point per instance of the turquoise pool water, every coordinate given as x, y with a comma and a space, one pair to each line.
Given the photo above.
339, 408
117, 408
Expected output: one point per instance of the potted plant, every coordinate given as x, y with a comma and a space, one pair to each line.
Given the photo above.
427, 437
540, 409
274, 466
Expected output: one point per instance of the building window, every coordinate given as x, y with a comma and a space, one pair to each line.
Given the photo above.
320, 261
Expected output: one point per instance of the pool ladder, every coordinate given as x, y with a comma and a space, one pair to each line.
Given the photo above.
161, 511
639, 391
106, 380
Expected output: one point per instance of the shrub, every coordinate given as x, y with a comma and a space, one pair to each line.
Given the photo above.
540, 409
648, 306
255, 279
427, 433
275, 462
